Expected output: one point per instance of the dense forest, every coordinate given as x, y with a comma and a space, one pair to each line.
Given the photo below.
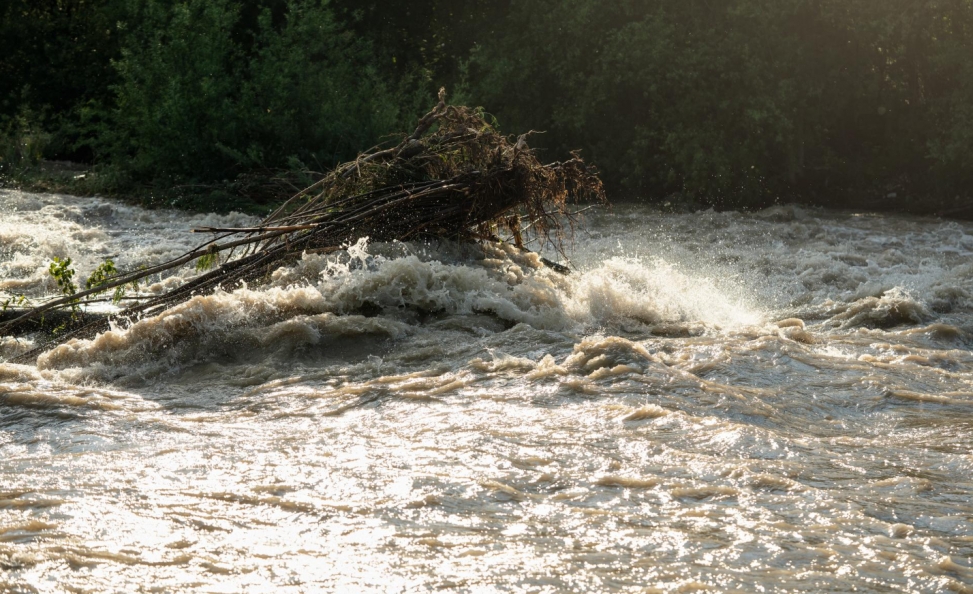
725, 103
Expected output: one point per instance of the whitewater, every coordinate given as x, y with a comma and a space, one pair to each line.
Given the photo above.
778, 401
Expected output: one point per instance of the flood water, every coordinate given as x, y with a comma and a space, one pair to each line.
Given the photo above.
769, 402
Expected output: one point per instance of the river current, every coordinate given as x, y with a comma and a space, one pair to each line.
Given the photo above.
771, 402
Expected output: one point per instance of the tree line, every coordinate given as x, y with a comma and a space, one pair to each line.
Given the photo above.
728, 103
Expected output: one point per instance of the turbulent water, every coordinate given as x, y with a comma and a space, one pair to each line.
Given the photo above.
777, 402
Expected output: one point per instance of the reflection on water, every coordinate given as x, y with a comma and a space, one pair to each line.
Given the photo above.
780, 401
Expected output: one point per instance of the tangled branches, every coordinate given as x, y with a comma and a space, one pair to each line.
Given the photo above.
454, 177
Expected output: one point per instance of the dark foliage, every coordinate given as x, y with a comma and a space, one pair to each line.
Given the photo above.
746, 102
209, 89
864, 103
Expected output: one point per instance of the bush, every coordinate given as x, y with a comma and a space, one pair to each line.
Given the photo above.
211, 88
22, 143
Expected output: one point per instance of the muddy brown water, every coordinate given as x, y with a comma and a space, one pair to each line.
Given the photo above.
779, 401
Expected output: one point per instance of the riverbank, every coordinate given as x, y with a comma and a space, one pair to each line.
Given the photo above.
256, 193
259, 194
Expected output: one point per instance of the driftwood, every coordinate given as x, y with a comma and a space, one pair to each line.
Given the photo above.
454, 177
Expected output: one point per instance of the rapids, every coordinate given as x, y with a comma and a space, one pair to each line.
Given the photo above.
779, 401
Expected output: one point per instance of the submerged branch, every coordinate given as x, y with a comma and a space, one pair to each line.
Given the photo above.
454, 177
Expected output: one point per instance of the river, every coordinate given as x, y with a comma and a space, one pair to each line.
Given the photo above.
771, 402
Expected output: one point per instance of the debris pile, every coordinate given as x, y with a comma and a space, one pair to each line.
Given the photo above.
455, 177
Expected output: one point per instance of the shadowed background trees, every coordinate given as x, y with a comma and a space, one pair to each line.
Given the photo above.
859, 103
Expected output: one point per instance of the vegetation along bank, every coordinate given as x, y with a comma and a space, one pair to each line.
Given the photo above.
222, 104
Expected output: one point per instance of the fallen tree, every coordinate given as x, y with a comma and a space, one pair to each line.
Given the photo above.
455, 177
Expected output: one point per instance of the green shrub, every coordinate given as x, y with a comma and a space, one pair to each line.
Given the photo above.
211, 88
22, 143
